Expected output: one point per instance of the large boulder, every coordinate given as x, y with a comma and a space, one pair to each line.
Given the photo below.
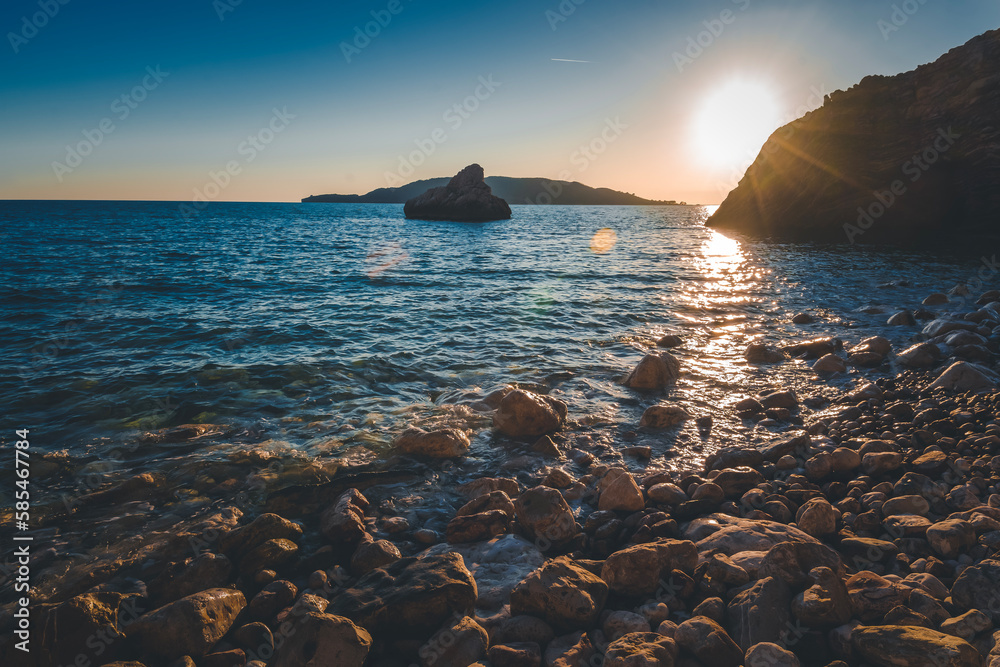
63, 629
411, 597
892, 645
641, 649
643, 569
189, 626
321, 639
963, 376
731, 535
760, 613
445, 443
708, 641
522, 414
460, 643
846, 172
466, 198
561, 593
654, 372
978, 587
547, 517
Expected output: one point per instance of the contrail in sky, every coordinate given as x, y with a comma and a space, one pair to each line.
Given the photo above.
566, 60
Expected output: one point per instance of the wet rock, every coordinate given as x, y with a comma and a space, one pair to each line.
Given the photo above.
232, 658
494, 500
255, 638
936, 299
663, 416
951, 537
766, 654
323, 639
442, 444
477, 527
642, 569
968, 625
964, 376
910, 504
890, 645
708, 641
460, 643
561, 593
710, 492
903, 318
940, 327
654, 372
862, 552
735, 482
546, 446
880, 463
904, 616
522, 414
758, 353
274, 597
485, 485
667, 493
921, 355
803, 318
189, 626
641, 649
344, 522
760, 613
817, 517
748, 406
411, 597
270, 555
546, 516
371, 555
782, 398
824, 604
814, 349
522, 629
558, 478
62, 630
621, 623
713, 608
265, 527
830, 363
977, 588
670, 341
872, 596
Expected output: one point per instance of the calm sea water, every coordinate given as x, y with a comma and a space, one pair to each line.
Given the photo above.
317, 333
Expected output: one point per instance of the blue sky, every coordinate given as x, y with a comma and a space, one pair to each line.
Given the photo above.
227, 71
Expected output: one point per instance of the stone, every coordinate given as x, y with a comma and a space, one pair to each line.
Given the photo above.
968, 625
466, 198
873, 596
879, 463
654, 372
891, 645
708, 641
713, 608
977, 587
271, 599
494, 500
575, 650
61, 630
270, 555
189, 626
904, 318
766, 654
546, 517
459, 643
663, 416
666, 493
484, 485
709, 492
951, 537
344, 521
911, 504
735, 482
824, 604
748, 535
445, 443
323, 639
670, 340
265, 527
371, 555
784, 398
760, 612
563, 594
526, 654
620, 493
641, 649
803, 318
759, 353
963, 376
815, 348
642, 569
522, 629
522, 414
621, 623
921, 355
477, 527
792, 562
817, 517
830, 363
409, 598
256, 638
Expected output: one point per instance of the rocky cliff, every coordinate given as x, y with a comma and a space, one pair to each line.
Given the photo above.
466, 198
892, 159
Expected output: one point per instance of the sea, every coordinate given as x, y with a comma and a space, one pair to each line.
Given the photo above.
291, 343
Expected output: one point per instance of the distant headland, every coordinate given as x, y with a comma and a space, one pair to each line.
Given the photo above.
534, 191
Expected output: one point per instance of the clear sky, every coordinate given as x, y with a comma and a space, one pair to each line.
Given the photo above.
147, 100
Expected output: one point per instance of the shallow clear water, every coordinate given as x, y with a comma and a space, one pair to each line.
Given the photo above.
319, 332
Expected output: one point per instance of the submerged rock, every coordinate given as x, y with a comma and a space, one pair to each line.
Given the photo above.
466, 198
663, 416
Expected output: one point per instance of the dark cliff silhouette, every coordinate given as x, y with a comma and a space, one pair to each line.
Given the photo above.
466, 198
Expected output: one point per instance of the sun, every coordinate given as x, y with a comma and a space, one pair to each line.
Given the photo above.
733, 123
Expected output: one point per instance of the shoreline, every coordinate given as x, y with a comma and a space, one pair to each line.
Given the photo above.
892, 489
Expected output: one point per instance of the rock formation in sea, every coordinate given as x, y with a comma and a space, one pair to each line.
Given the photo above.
888, 160
466, 198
